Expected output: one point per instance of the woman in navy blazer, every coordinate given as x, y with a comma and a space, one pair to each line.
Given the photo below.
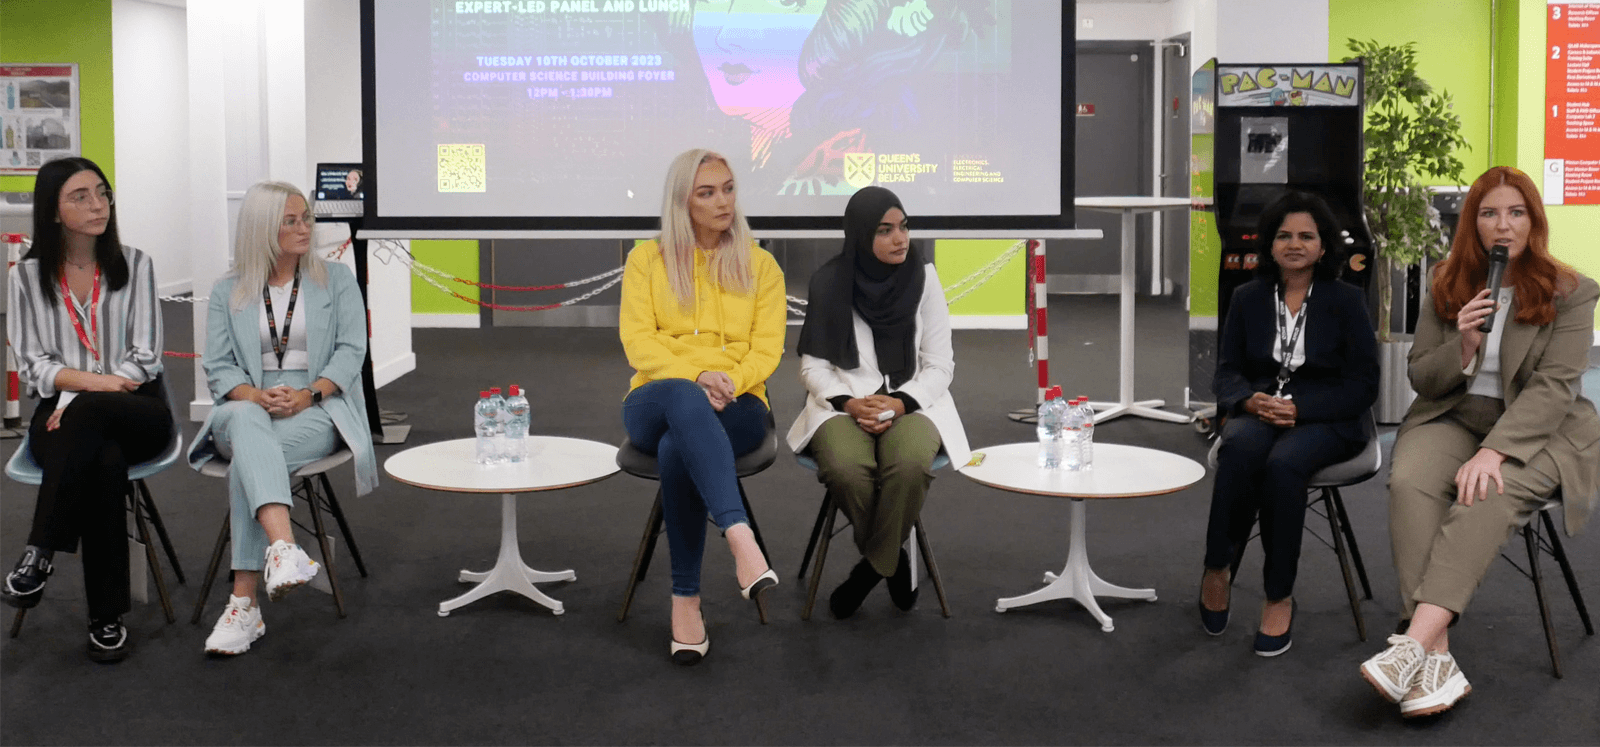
1297, 368
285, 338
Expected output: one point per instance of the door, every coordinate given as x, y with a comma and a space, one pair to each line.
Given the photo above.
1113, 158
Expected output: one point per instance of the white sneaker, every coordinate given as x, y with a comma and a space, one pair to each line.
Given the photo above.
288, 567
1440, 684
1394, 671
239, 626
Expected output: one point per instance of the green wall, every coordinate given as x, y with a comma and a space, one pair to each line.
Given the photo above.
61, 31
460, 259
1452, 42
1002, 294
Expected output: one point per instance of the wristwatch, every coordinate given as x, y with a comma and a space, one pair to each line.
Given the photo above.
316, 395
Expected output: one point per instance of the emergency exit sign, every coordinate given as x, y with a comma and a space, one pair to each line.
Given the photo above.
1572, 104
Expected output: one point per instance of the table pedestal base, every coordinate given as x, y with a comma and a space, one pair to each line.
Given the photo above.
509, 572
1077, 580
1104, 411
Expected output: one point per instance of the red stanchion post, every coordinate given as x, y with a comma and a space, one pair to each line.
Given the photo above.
1038, 312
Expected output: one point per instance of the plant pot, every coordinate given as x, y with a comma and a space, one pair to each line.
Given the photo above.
1394, 386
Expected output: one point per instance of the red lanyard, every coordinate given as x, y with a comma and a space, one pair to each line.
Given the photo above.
87, 338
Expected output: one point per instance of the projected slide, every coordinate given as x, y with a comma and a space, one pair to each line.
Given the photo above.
561, 108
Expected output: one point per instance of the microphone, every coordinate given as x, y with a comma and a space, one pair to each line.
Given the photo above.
1497, 270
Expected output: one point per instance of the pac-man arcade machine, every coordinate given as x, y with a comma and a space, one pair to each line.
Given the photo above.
1280, 128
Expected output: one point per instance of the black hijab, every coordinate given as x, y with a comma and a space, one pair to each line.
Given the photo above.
886, 296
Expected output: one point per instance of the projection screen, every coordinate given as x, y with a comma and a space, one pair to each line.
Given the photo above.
562, 115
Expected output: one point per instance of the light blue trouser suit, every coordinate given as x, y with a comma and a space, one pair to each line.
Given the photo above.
263, 451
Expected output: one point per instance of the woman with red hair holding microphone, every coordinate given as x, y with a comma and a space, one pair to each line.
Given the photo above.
1499, 424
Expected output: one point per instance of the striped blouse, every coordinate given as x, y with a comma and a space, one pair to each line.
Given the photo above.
42, 335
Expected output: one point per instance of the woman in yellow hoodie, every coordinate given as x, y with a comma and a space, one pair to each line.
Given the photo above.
703, 319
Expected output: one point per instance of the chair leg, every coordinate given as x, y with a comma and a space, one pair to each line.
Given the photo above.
822, 557
211, 569
310, 490
344, 526
16, 623
641, 559
1344, 561
755, 528
1560, 554
816, 531
926, 551
1350, 541
150, 556
161, 529
1530, 535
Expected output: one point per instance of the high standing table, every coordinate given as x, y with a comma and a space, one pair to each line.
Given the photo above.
1119, 472
553, 463
1125, 405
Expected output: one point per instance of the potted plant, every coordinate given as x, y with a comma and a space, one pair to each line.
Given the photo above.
1411, 133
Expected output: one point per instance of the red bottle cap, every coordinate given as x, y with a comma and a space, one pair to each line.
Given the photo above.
515, 391
1053, 393
494, 390
483, 395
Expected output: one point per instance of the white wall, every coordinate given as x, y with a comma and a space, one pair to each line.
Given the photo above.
1272, 31
332, 77
1123, 21
150, 87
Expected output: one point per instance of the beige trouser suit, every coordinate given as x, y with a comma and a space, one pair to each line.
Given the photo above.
1545, 427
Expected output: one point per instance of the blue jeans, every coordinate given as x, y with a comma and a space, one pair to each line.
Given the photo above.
694, 446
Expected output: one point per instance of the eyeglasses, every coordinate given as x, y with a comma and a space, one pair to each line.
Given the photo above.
86, 200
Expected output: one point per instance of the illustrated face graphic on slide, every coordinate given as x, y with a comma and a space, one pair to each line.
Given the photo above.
751, 50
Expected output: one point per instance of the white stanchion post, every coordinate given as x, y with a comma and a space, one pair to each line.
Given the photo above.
14, 243
1039, 326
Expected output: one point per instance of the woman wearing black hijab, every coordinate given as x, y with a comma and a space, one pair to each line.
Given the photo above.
877, 364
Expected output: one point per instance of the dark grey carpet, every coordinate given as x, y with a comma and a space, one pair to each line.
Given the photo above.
504, 671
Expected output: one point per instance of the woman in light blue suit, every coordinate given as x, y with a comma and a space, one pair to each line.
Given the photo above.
285, 338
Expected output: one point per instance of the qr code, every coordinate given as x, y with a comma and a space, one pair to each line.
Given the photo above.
33, 158
462, 169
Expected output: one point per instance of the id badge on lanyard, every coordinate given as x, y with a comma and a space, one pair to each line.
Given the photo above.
90, 337
1287, 337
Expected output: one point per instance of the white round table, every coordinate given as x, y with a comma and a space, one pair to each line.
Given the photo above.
1118, 472
553, 463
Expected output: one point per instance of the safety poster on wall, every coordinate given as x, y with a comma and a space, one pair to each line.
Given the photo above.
1572, 104
38, 115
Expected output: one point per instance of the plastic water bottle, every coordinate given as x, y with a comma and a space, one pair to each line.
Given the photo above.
1072, 430
1086, 439
498, 440
1052, 429
516, 425
483, 426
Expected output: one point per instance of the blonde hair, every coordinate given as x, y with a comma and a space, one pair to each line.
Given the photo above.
730, 258
255, 242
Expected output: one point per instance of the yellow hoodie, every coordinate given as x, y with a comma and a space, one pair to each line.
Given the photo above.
740, 335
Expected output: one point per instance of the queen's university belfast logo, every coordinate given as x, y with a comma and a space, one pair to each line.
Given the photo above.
860, 169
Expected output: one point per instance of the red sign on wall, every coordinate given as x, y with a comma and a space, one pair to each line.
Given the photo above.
1572, 104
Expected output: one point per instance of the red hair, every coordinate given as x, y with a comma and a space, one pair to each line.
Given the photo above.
1538, 276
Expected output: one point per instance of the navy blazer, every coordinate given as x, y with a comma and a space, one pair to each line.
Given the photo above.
1338, 381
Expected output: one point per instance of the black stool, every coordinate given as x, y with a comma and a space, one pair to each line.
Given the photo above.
639, 464
1541, 535
1327, 502
822, 533
318, 498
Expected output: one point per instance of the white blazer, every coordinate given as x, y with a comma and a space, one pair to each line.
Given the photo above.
930, 386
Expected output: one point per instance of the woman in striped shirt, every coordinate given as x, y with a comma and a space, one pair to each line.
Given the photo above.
86, 327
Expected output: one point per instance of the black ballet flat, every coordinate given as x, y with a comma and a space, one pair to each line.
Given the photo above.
1214, 621
901, 592
846, 599
1272, 645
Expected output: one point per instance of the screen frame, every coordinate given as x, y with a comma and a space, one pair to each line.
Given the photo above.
492, 226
